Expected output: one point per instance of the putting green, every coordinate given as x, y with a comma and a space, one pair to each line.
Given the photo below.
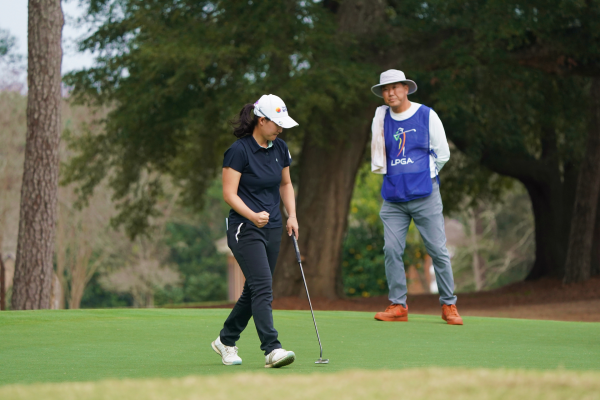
90, 345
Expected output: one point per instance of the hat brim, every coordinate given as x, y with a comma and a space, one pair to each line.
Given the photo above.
412, 87
285, 122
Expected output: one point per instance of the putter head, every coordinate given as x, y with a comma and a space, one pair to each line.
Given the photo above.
322, 361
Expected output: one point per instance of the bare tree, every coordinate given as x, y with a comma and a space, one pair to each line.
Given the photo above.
141, 278
144, 272
37, 220
2, 283
476, 230
79, 234
499, 242
12, 145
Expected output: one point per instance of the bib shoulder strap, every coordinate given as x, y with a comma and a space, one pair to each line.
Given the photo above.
423, 116
387, 119
423, 113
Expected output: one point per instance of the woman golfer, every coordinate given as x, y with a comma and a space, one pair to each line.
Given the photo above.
256, 175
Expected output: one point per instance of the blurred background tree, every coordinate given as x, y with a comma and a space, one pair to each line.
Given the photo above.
97, 266
505, 117
11, 63
191, 242
522, 122
363, 263
175, 73
499, 243
511, 81
33, 271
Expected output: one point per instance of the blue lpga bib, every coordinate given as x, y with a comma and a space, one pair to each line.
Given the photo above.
407, 149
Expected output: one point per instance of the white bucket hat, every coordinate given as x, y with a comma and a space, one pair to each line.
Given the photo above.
393, 76
274, 109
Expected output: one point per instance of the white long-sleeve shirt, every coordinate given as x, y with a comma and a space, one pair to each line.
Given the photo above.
437, 139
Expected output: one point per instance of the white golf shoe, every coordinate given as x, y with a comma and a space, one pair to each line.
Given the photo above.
279, 358
227, 353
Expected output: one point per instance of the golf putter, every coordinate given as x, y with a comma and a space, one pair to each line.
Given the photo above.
320, 360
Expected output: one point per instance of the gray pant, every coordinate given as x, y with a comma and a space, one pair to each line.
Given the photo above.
427, 214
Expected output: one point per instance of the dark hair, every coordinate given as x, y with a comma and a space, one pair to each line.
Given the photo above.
245, 123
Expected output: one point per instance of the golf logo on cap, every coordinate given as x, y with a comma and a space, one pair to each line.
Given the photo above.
271, 106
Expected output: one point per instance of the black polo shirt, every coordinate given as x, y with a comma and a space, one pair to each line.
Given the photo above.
261, 176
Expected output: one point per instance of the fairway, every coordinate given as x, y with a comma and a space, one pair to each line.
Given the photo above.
91, 345
413, 384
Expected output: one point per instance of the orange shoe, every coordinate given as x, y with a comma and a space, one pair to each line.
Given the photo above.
450, 315
394, 312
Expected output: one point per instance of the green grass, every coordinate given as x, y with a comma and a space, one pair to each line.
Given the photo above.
91, 345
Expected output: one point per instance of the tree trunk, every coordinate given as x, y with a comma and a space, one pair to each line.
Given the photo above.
79, 269
33, 268
595, 265
552, 205
2, 284
327, 178
578, 264
478, 261
56, 294
552, 193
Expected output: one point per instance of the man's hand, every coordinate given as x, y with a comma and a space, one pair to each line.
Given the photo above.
292, 225
261, 219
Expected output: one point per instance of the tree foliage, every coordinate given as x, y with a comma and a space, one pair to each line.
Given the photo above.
508, 78
12, 64
192, 248
175, 73
7, 42
496, 110
478, 64
363, 265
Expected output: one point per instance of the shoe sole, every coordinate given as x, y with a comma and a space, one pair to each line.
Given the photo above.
214, 347
451, 322
287, 360
392, 319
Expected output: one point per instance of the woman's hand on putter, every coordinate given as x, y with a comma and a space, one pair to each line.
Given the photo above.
292, 226
261, 219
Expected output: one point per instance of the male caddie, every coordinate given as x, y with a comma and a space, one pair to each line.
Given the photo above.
409, 148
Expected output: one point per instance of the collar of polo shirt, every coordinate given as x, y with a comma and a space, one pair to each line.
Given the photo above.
256, 147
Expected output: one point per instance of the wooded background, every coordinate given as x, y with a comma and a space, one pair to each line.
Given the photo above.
516, 84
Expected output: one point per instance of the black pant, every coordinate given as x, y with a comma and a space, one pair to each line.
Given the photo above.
256, 251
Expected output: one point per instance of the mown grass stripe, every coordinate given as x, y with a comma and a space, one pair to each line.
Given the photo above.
90, 345
414, 384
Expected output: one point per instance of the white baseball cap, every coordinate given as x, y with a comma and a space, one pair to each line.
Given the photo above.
393, 76
274, 109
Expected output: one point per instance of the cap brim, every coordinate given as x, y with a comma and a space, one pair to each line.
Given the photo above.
285, 122
412, 87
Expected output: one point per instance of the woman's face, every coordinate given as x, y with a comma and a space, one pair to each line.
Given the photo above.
268, 129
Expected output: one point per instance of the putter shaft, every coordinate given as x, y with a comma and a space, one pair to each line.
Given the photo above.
297, 249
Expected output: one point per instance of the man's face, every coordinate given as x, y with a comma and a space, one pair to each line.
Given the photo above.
394, 94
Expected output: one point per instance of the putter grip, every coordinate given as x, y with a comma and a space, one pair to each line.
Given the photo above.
296, 247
